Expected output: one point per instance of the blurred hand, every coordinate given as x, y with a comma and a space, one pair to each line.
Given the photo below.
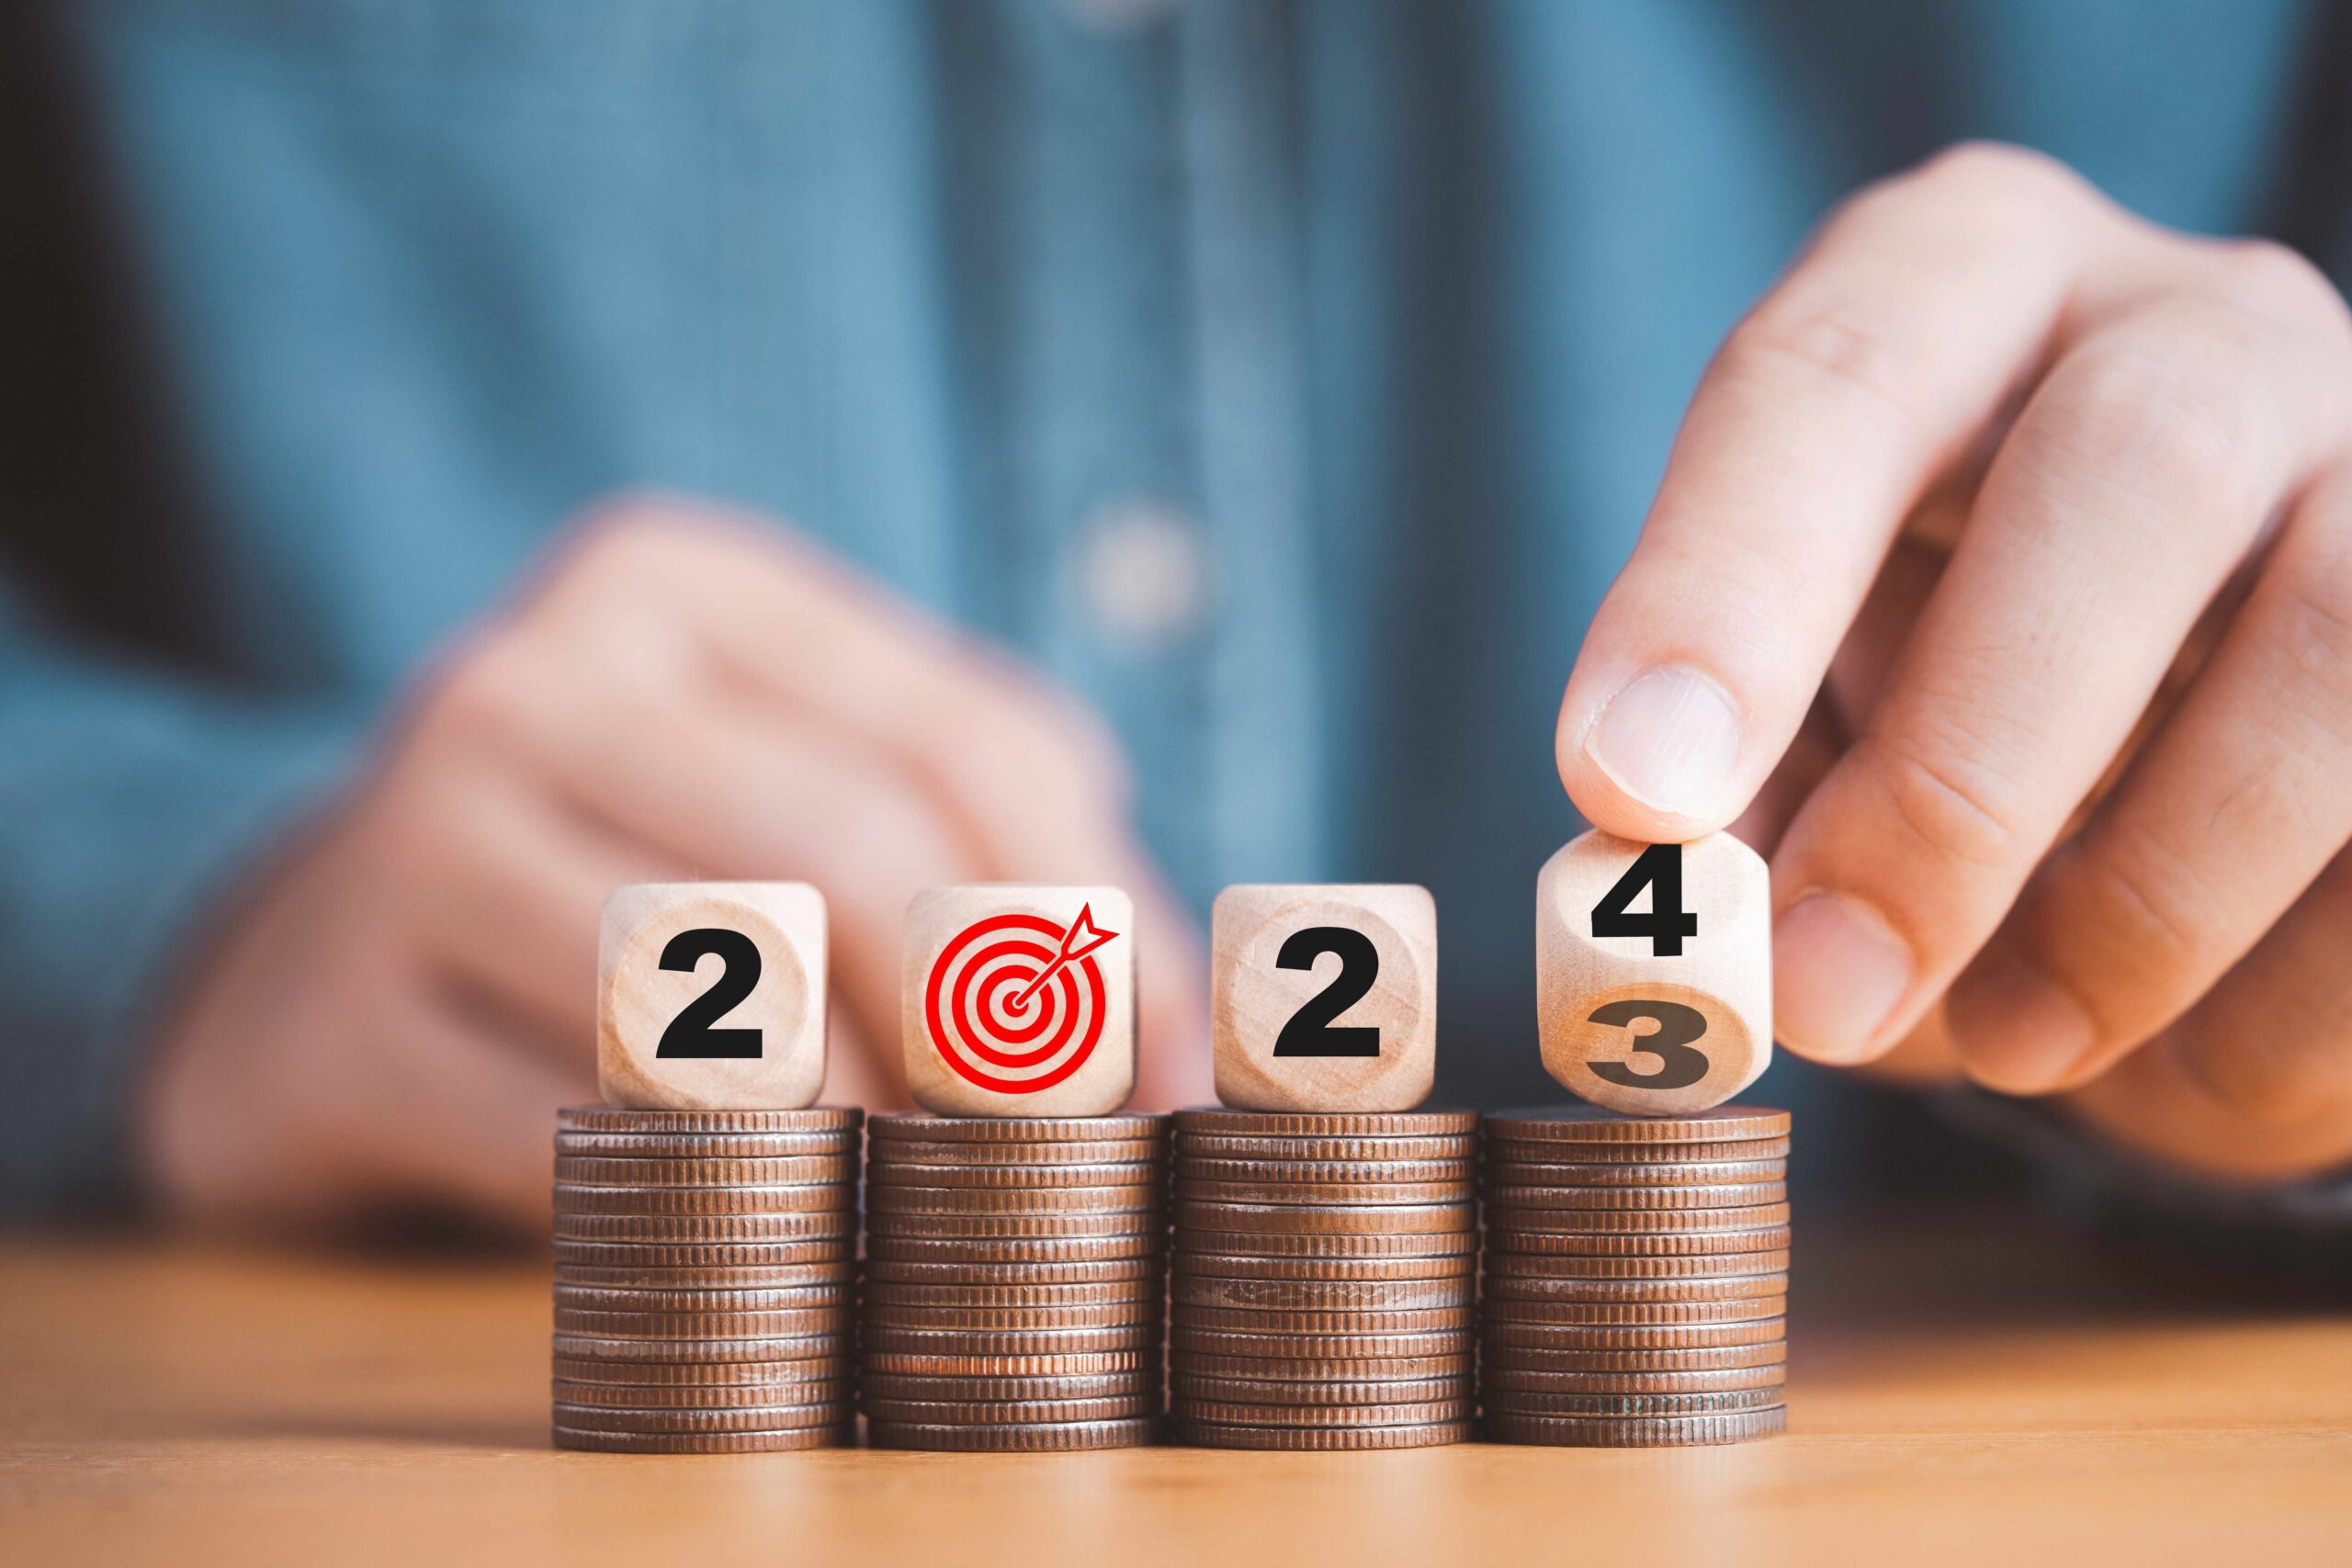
1923, 584
395, 1015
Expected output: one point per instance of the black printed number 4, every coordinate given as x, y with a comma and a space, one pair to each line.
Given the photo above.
692, 1034
1310, 1032
1666, 922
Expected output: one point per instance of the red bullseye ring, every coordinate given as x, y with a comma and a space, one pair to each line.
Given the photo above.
968, 1004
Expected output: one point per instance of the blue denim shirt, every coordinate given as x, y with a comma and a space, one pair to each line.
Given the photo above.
1361, 329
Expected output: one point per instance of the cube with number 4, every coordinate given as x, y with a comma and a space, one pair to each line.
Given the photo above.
1654, 971
1323, 997
711, 996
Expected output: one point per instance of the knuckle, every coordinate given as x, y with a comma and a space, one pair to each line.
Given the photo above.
483, 694
2153, 917
2318, 616
2164, 429
1953, 799
1786, 344
2279, 283
2000, 172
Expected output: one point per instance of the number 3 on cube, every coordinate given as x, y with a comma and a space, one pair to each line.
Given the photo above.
1654, 971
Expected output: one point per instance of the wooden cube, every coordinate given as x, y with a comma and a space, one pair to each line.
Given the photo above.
711, 996
1323, 997
1020, 1002
1654, 971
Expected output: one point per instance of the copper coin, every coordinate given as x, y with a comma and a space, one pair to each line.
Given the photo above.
924, 1363
1591, 1124
709, 1146
1322, 1218
1320, 1295
1498, 1334
652, 1258
1316, 1366
609, 1119
885, 1203
788, 1276
1301, 1345
703, 1230
1632, 1221
1582, 1266
827, 1345
1718, 1358
788, 1376
1637, 1154
1731, 1288
703, 1325
604, 1170
1230, 1266
883, 1315
703, 1201
1243, 1320
1008, 1341
972, 1287
1637, 1431
1621, 1313
1215, 1435
841, 1435
1058, 1437
1355, 1391
752, 1418
1123, 1224
612, 1298
1542, 1379
1504, 1200
1113, 1253
1229, 1146
1715, 1173
1673, 1244
703, 1396
1333, 1193
1333, 1244
1011, 1412
1219, 1120
1244, 1414
881, 1271
922, 1127
1523, 1403
1129, 1151
913, 1390
880, 1174
1323, 1173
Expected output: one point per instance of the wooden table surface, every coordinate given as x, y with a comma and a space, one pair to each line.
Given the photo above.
1964, 1388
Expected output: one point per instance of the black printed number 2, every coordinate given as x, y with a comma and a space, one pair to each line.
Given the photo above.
1666, 922
690, 1032
1310, 1032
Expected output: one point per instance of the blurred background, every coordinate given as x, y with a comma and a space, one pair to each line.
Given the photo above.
1283, 382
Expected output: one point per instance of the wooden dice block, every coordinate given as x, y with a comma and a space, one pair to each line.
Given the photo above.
711, 996
1654, 971
1020, 1002
1323, 997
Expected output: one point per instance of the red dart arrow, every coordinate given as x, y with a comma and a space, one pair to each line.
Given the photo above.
1082, 937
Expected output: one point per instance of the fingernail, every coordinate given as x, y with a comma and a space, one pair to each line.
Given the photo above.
1838, 970
1670, 740
2017, 1031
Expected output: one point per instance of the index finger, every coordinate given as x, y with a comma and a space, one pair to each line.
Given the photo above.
1860, 378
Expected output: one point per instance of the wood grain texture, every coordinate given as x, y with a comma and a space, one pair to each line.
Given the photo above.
973, 1047
638, 1000
1962, 1389
1252, 996
1600, 1038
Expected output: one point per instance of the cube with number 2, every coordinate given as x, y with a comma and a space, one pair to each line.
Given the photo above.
710, 996
1654, 971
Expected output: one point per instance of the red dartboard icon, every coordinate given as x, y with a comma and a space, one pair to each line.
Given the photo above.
1014, 1003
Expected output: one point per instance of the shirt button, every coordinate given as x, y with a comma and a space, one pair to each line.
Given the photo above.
1143, 573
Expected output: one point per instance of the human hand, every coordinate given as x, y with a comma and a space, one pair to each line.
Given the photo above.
394, 1014
1924, 583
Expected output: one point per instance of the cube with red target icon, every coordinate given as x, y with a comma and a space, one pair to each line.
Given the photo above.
1020, 1000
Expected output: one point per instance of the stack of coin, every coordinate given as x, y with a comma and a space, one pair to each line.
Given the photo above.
1015, 1272
1636, 1275
1323, 1293
705, 1265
